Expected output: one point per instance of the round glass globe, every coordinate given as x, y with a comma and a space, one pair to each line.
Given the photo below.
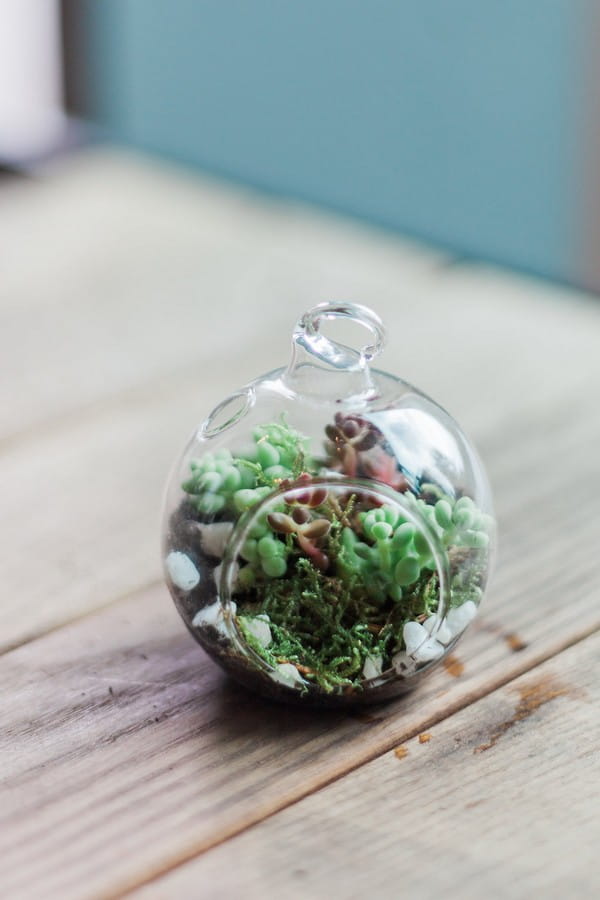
328, 531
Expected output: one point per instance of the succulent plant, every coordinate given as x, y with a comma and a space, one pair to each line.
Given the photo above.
356, 447
221, 483
348, 437
307, 531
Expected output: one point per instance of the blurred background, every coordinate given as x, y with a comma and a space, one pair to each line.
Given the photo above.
473, 127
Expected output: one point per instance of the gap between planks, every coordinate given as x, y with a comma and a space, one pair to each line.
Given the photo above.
311, 767
497, 800
193, 853
542, 535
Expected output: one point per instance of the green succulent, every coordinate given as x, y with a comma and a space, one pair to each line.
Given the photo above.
215, 479
222, 483
395, 554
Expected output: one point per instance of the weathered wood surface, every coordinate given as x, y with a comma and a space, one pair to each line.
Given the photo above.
138, 300
118, 731
500, 800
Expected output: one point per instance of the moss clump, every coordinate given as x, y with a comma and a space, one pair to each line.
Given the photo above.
327, 626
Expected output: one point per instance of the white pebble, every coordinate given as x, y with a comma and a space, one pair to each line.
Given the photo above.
403, 663
458, 618
431, 649
213, 616
419, 644
443, 634
214, 537
373, 667
414, 635
182, 571
287, 674
258, 628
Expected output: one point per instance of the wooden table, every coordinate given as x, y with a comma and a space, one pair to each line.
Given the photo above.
134, 297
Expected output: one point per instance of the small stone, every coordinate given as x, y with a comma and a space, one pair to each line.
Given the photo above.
182, 571
373, 667
414, 635
404, 664
419, 644
258, 628
443, 634
428, 651
286, 674
213, 616
214, 537
458, 618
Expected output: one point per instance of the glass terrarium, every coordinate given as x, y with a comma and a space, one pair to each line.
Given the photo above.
328, 530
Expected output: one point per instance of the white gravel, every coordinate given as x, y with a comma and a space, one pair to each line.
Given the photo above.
404, 664
214, 537
421, 647
458, 619
213, 616
182, 571
419, 644
286, 674
373, 667
443, 634
258, 628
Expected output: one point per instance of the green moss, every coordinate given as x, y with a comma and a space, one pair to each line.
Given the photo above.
328, 625
379, 578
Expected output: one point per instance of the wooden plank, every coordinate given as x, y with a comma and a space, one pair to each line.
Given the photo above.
82, 506
499, 800
173, 760
106, 789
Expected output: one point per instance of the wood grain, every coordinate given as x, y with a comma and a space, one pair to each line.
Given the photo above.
125, 752
499, 801
82, 507
119, 733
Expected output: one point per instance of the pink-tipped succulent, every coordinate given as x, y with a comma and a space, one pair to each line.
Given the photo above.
349, 436
307, 530
311, 495
380, 466
355, 444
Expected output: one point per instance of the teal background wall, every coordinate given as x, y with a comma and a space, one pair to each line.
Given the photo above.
456, 122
